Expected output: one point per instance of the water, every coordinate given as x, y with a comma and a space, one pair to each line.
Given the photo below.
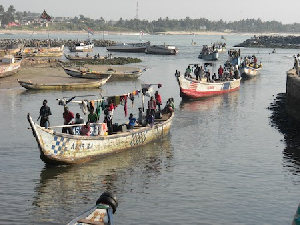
223, 162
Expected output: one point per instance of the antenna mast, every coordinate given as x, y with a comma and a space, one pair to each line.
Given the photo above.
137, 11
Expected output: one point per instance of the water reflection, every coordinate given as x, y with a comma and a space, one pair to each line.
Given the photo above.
291, 131
64, 191
211, 103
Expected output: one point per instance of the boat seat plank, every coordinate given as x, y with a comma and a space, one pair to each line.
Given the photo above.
87, 221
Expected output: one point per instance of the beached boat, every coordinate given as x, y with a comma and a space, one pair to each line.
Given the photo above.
128, 47
63, 86
61, 148
87, 73
100, 214
161, 50
208, 53
190, 88
9, 66
42, 51
82, 47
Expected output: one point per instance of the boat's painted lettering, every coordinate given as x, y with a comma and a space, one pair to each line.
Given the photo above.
82, 146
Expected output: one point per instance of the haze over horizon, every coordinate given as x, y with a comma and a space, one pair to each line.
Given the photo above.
234, 10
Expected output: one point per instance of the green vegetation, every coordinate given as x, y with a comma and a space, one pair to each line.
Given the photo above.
136, 25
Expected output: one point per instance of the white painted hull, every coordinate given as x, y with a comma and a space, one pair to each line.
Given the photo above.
61, 148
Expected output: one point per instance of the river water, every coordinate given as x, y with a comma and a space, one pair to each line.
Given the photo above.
223, 162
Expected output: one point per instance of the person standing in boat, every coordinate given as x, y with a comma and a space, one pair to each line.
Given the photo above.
220, 72
92, 117
45, 112
158, 100
152, 106
68, 117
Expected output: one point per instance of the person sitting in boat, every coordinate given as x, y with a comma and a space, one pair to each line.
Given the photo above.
76, 55
214, 77
92, 117
68, 117
236, 72
45, 112
85, 129
188, 72
131, 122
87, 54
78, 119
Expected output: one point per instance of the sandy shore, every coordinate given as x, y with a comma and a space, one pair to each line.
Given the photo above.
48, 74
5, 31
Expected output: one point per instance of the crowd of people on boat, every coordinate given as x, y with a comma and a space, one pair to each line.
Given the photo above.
202, 73
75, 125
251, 61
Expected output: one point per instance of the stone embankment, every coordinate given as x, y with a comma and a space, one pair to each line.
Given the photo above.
14, 43
290, 42
293, 94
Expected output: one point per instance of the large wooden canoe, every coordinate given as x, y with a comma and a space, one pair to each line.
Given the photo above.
63, 86
60, 148
87, 74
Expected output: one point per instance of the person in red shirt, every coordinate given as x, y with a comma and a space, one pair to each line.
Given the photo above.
158, 100
68, 117
220, 72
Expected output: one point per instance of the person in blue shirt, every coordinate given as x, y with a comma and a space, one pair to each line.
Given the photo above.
131, 122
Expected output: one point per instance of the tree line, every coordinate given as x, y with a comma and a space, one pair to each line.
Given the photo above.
160, 25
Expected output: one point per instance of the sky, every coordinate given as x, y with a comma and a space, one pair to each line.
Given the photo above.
287, 11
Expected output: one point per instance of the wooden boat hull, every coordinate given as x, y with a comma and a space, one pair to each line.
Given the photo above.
67, 86
193, 89
9, 69
60, 148
85, 74
212, 57
249, 72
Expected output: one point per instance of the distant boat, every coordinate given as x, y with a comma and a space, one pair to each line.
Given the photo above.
43, 51
9, 65
82, 47
161, 50
128, 47
208, 53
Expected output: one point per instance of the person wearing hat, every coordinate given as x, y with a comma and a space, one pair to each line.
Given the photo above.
45, 112
68, 117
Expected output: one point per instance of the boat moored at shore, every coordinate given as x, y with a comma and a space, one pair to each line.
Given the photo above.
161, 50
128, 47
9, 65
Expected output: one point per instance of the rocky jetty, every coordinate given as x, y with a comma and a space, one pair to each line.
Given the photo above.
15, 43
291, 42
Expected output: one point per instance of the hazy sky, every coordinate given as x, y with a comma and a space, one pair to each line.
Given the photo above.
287, 11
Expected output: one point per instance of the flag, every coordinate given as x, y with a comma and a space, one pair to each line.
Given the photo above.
45, 16
90, 31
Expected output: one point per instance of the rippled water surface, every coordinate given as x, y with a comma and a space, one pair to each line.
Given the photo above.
223, 162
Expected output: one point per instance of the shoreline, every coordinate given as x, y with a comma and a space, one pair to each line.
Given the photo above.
8, 32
